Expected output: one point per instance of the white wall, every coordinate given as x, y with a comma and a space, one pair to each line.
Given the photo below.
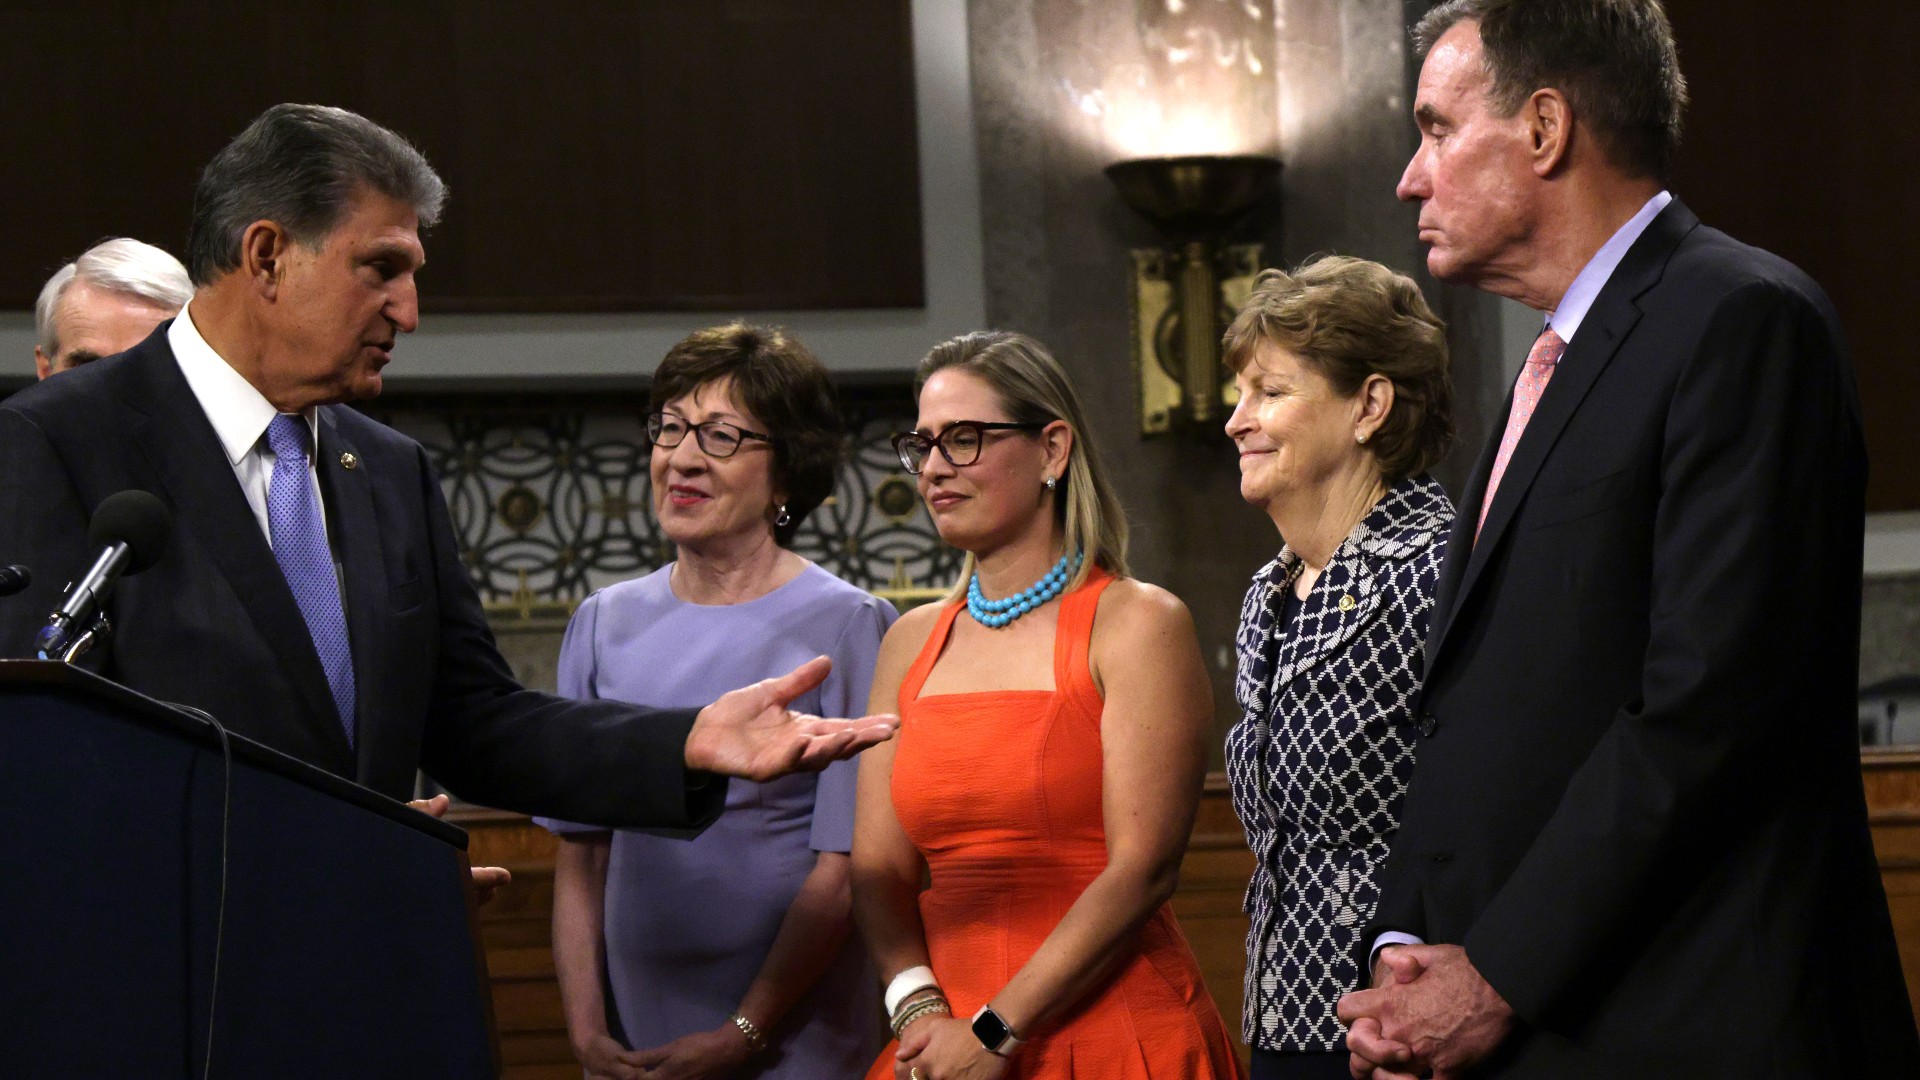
465, 348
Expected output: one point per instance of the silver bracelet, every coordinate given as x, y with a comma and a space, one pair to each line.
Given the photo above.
925, 1007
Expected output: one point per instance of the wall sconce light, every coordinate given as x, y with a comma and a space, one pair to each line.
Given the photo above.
1185, 292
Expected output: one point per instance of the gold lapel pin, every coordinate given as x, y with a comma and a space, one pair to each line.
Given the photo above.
348, 461
1347, 602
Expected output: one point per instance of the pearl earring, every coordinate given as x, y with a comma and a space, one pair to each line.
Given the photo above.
1050, 483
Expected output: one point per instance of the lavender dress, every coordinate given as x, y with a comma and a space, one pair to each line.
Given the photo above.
689, 922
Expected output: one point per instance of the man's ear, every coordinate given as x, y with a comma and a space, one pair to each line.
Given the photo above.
1550, 129
263, 253
42, 363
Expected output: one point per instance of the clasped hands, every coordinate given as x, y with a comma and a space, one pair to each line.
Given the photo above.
703, 1055
1429, 1013
944, 1048
750, 732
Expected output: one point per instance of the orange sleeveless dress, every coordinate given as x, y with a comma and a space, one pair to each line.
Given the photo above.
1000, 791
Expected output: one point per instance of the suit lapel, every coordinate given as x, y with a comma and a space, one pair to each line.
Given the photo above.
1453, 568
186, 454
1606, 327
356, 540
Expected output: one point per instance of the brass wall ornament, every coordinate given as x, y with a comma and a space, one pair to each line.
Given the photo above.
1183, 294
519, 508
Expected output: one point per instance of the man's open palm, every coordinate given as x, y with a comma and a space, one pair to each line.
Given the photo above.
751, 733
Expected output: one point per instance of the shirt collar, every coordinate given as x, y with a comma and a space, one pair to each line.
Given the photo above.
238, 412
1586, 287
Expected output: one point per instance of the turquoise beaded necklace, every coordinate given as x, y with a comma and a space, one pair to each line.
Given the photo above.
994, 614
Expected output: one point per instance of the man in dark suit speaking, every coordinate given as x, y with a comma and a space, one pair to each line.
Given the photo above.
312, 597
1635, 844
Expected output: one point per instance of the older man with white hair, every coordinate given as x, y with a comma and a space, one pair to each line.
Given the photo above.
104, 302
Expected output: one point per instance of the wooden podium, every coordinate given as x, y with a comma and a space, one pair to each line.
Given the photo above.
345, 926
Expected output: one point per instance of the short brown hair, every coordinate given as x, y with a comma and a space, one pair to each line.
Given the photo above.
1348, 319
785, 387
1615, 61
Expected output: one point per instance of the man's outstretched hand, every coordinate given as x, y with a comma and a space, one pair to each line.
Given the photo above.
750, 733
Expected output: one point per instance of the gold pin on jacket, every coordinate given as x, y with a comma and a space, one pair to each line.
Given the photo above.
348, 461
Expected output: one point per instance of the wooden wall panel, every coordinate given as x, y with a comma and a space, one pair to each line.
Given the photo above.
1791, 144
602, 155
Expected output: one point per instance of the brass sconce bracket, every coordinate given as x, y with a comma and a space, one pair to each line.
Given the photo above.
1181, 381
1184, 294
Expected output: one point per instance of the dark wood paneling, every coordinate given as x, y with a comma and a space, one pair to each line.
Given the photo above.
602, 154
1794, 143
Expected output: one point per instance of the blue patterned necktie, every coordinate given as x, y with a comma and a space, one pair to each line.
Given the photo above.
300, 547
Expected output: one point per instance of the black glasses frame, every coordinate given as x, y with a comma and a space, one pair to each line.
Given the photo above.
657, 423
909, 444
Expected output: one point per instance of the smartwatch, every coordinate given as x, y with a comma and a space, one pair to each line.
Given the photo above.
993, 1032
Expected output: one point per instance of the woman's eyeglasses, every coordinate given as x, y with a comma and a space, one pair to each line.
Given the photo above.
959, 443
717, 438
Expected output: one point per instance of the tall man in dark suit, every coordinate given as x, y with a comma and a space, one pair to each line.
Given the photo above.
1635, 843
313, 597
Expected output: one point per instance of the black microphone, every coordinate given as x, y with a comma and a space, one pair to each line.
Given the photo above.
130, 528
14, 578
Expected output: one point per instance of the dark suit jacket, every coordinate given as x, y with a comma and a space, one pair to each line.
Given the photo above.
214, 625
1640, 806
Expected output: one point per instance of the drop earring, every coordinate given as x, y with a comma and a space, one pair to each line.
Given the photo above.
782, 519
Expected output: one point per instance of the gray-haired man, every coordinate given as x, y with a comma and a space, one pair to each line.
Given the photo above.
105, 302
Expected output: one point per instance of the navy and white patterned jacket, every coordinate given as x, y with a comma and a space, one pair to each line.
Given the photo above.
1321, 757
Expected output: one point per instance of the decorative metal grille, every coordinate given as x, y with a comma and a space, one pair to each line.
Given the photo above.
551, 497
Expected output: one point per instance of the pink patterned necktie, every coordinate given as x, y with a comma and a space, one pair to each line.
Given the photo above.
1534, 375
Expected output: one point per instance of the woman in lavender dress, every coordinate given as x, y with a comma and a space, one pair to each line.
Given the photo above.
728, 954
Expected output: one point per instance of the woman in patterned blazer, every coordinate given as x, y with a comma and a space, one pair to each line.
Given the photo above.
1344, 405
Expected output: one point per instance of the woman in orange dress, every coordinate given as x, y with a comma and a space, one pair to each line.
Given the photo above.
1054, 721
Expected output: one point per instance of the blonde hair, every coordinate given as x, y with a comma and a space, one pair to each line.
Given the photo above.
1034, 390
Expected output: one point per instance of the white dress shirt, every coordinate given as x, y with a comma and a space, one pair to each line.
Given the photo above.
239, 415
1566, 318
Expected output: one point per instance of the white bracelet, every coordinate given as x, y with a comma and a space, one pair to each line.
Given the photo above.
911, 981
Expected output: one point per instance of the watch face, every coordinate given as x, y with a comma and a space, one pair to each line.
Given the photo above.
991, 1030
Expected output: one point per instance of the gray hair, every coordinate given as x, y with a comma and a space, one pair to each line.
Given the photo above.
1615, 61
301, 166
118, 265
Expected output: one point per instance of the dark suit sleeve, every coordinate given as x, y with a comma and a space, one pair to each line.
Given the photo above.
1758, 519
43, 526
493, 742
